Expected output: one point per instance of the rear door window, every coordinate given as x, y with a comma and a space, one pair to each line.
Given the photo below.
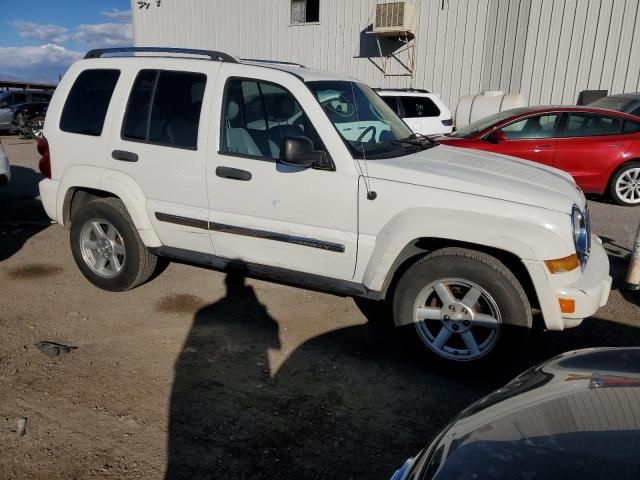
416, 107
630, 126
88, 101
591, 125
164, 108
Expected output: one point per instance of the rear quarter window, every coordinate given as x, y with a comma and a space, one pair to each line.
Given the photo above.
415, 107
86, 106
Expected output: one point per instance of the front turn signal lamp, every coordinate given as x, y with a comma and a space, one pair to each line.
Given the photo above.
561, 265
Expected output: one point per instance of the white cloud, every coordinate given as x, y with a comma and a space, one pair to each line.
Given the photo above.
85, 36
103, 35
117, 15
41, 32
45, 62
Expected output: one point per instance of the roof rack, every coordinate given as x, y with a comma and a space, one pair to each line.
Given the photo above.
271, 62
418, 90
212, 54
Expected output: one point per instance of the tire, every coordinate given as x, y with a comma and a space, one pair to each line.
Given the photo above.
499, 320
110, 255
624, 188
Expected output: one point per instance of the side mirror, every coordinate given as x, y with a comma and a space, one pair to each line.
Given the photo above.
497, 137
4, 105
299, 152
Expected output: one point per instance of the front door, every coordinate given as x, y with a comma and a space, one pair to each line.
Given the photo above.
531, 138
265, 212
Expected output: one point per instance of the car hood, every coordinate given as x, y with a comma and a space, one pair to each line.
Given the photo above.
575, 416
483, 173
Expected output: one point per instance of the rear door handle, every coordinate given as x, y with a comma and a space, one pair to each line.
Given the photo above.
613, 145
233, 173
543, 146
124, 156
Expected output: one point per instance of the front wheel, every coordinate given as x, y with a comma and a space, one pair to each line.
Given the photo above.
625, 185
466, 306
107, 248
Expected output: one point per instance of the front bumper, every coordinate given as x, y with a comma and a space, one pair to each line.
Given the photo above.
589, 290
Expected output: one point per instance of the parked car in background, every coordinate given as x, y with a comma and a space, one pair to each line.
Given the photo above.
5, 170
29, 119
424, 112
599, 148
575, 416
622, 102
10, 101
309, 177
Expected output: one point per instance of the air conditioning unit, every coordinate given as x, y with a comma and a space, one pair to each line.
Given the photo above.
397, 18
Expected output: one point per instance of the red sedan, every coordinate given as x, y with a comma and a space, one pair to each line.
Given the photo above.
600, 148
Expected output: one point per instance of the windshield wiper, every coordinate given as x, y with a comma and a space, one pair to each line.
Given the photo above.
418, 140
423, 138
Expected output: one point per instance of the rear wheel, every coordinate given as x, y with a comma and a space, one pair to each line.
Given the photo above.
465, 306
625, 185
107, 248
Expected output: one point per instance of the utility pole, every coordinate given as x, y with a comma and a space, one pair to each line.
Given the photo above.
633, 275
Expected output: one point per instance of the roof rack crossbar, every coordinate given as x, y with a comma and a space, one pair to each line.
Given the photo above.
212, 54
418, 90
274, 62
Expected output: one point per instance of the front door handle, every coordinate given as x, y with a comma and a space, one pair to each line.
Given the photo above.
124, 156
233, 173
543, 146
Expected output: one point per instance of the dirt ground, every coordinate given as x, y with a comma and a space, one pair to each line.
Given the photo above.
200, 374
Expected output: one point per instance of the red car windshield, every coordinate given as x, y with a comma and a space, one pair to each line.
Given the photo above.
484, 123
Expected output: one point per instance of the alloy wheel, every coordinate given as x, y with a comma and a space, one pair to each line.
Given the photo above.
457, 319
628, 186
102, 248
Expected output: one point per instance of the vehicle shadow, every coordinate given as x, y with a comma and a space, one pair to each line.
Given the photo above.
352, 403
21, 213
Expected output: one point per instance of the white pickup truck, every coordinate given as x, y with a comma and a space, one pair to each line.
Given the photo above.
310, 178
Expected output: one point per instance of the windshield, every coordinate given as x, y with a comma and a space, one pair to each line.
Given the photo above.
484, 123
364, 121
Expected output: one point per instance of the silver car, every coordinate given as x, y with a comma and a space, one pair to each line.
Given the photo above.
12, 98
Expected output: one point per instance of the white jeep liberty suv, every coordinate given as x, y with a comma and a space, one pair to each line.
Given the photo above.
311, 179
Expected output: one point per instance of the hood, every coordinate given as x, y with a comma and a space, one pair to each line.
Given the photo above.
485, 174
576, 416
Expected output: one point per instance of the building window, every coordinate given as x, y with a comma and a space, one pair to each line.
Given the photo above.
305, 11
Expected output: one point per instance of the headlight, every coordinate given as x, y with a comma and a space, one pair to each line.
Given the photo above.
581, 233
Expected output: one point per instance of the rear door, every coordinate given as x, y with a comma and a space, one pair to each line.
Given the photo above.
159, 143
589, 146
532, 138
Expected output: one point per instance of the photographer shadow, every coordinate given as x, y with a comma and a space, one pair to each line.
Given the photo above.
350, 403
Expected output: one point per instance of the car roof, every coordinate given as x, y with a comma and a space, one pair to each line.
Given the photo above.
526, 111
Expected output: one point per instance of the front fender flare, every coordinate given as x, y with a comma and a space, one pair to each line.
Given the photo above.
519, 236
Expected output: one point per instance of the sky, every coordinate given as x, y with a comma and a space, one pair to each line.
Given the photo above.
39, 39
